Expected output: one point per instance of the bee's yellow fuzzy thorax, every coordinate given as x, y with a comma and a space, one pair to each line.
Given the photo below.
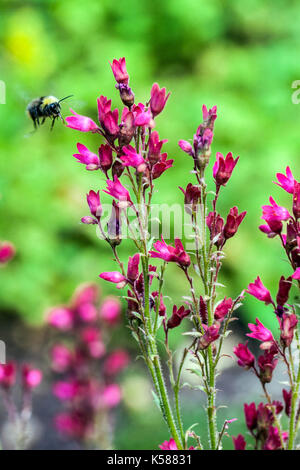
49, 100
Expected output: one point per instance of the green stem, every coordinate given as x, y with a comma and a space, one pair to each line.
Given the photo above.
294, 406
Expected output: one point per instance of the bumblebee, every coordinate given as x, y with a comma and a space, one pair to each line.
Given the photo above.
43, 107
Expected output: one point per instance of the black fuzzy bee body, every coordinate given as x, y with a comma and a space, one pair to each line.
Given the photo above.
43, 107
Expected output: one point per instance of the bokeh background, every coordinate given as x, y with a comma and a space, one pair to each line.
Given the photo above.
244, 58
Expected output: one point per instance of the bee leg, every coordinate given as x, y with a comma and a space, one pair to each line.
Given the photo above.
43, 121
53, 121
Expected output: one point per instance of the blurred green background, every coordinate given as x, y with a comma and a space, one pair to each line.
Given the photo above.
241, 56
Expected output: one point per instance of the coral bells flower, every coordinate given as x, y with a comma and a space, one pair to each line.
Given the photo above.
239, 442
274, 215
93, 200
215, 224
250, 416
105, 158
161, 166
154, 148
132, 158
178, 315
110, 310
115, 277
117, 190
258, 290
81, 123
61, 358
7, 252
260, 332
168, 445
158, 99
144, 118
296, 274
211, 334
133, 267
7, 374
296, 200
286, 182
104, 106
119, 70
287, 323
116, 362
273, 441
31, 378
110, 122
283, 290
111, 396
61, 318
223, 168
186, 147
244, 355
169, 253
209, 116
234, 219
223, 308
88, 158
192, 197
267, 364
287, 397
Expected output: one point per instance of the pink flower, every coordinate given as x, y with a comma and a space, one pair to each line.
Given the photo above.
131, 158
192, 197
267, 364
61, 358
87, 312
286, 182
61, 318
223, 308
133, 267
66, 391
287, 323
73, 424
116, 190
116, 362
274, 215
266, 229
250, 416
239, 442
7, 374
168, 445
88, 158
296, 274
81, 123
223, 168
110, 122
155, 146
115, 277
209, 116
105, 158
158, 99
93, 200
31, 377
91, 337
169, 253
244, 355
119, 70
161, 166
260, 332
104, 106
211, 334
144, 118
85, 293
258, 290
273, 441
283, 290
178, 315
110, 310
186, 147
161, 306
7, 252
296, 200
287, 397
111, 396
234, 219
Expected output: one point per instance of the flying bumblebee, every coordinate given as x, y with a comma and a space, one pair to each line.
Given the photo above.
43, 107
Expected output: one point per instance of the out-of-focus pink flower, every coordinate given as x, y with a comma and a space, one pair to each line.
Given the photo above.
168, 445
85, 293
154, 148
258, 290
161, 166
274, 215
239, 442
211, 334
72, 424
287, 323
250, 416
169, 253
133, 267
273, 441
31, 378
115, 277
87, 312
88, 158
81, 123
91, 337
61, 358
223, 168
296, 200
287, 397
267, 363
119, 70
234, 219
61, 318
286, 182
110, 310
132, 158
66, 391
93, 200
178, 315
7, 374
223, 308
111, 396
158, 99
7, 252
260, 332
244, 355
296, 274
117, 190
105, 158
116, 362
186, 147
